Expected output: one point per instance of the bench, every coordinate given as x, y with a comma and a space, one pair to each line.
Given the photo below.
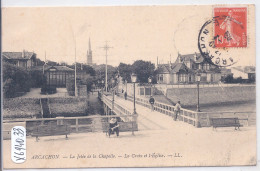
123, 127
225, 122
50, 130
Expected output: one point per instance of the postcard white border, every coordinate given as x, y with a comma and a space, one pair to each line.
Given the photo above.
56, 3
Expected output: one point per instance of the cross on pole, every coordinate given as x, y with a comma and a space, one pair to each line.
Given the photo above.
106, 48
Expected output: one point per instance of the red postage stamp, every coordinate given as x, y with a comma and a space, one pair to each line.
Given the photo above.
231, 30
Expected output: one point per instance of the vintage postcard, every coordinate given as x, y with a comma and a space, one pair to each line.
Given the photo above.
129, 86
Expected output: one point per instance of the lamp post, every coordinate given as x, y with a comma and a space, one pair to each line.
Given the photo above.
126, 86
198, 88
150, 82
133, 78
102, 82
113, 95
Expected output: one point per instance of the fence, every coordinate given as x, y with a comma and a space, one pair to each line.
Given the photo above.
83, 124
166, 86
118, 109
197, 119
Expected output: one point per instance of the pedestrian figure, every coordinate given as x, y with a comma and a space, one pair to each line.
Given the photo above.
125, 95
151, 101
177, 110
113, 127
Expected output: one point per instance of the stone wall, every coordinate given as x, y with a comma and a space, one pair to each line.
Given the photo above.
212, 95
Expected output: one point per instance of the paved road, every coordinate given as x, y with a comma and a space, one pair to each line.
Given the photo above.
148, 120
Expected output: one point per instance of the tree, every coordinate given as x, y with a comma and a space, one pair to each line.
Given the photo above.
89, 70
8, 88
53, 63
101, 72
125, 71
239, 80
39, 62
38, 79
16, 79
228, 79
63, 63
70, 86
251, 78
89, 82
143, 70
83, 67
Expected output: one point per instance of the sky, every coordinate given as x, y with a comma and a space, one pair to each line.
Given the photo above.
134, 33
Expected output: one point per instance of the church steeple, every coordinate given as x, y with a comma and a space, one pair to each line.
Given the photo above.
89, 45
89, 54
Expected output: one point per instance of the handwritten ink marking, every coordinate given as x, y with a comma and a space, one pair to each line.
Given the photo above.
18, 144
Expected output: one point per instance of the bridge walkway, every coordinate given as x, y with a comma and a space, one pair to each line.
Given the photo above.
147, 119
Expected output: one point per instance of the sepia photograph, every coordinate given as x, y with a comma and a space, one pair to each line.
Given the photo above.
129, 86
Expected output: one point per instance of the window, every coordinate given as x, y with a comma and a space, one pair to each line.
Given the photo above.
141, 91
206, 66
183, 77
161, 77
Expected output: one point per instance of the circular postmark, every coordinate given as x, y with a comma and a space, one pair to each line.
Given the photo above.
210, 42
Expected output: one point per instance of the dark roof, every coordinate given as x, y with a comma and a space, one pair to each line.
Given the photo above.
62, 68
178, 67
246, 69
18, 55
39, 68
164, 68
225, 71
190, 57
47, 67
249, 69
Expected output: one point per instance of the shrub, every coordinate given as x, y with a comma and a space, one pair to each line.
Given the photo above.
38, 79
16, 79
21, 108
228, 79
48, 90
8, 88
69, 106
70, 85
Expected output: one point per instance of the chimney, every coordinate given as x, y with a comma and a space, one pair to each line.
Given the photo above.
157, 62
195, 56
179, 57
23, 54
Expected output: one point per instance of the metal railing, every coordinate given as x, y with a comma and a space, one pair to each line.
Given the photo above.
163, 87
185, 115
118, 109
197, 119
77, 124
41, 108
